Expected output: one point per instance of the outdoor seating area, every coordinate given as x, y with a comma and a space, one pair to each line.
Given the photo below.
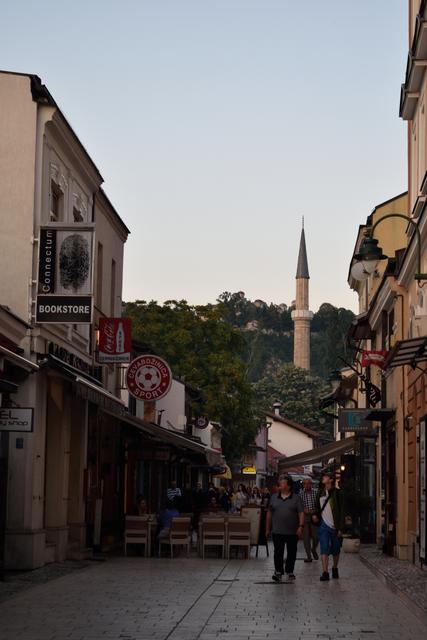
221, 532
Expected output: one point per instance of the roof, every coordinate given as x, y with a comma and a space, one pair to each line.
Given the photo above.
113, 211
302, 266
293, 424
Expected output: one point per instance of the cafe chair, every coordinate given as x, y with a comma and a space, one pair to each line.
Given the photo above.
238, 535
213, 534
179, 535
137, 532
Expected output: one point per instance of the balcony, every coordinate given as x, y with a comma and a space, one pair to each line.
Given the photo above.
415, 67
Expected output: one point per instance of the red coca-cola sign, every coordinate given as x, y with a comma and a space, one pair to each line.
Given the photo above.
148, 378
115, 340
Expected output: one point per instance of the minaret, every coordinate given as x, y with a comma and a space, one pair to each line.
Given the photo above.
301, 315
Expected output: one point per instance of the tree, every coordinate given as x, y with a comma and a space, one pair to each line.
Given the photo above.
329, 338
299, 393
207, 353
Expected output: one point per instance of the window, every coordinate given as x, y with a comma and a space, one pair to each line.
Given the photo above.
113, 288
56, 202
99, 267
77, 215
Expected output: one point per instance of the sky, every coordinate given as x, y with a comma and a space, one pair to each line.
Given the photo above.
218, 124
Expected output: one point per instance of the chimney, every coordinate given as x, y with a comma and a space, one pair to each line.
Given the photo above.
276, 407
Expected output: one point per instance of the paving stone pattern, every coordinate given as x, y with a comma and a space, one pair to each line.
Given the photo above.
193, 599
410, 580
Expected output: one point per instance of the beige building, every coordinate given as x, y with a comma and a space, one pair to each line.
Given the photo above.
49, 180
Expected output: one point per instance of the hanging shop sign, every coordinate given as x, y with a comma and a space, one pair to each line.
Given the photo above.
16, 419
115, 340
65, 274
148, 378
249, 471
201, 422
374, 358
354, 420
372, 392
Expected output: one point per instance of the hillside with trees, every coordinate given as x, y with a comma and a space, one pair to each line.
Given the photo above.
238, 353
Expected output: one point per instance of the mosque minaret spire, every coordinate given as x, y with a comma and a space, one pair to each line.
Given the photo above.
301, 315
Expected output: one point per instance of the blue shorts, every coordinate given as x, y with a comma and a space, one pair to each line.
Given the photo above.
330, 544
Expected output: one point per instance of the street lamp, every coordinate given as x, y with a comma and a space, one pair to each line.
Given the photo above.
370, 253
335, 379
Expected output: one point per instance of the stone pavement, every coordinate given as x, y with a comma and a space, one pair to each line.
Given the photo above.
400, 575
191, 599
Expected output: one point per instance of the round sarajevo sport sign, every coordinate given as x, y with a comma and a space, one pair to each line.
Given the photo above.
148, 378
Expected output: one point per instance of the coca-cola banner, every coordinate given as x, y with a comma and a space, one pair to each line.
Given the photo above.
115, 340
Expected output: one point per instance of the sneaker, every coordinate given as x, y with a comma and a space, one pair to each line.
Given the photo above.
335, 573
315, 554
289, 578
308, 560
324, 577
277, 576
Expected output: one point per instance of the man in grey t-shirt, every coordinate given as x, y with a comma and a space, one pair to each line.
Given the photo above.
285, 520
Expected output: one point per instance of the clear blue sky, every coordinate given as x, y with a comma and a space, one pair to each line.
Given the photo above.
218, 124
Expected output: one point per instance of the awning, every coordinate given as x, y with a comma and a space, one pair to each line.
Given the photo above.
317, 455
22, 362
411, 351
87, 387
98, 395
214, 458
225, 475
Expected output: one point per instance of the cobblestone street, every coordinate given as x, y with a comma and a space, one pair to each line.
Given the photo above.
189, 599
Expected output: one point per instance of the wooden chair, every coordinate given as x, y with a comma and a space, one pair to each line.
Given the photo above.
179, 535
137, 532
213, 534
238, 534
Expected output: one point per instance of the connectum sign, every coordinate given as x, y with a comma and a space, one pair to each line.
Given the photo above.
148, 378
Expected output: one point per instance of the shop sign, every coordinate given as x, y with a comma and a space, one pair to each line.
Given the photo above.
65, 273
68, 357
376, 358
115, 340
249, 471
354, 420
148, 378
16, 419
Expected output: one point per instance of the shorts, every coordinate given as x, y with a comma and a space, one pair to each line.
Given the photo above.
330, 544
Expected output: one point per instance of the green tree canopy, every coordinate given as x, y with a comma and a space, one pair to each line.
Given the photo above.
299, 393
207, 353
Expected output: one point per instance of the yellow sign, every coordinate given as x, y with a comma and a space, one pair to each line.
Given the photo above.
249, 471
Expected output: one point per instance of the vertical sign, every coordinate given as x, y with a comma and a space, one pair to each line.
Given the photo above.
64, 291
115, 340
423, 490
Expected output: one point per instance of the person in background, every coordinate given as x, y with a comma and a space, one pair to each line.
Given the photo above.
256, 497
330, 517
174, 492
140, 508
224, 499
285, 520
212, 493
265, 498
241, 497
308, 496
168, 512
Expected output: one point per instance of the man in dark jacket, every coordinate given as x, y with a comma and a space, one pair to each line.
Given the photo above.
330, 517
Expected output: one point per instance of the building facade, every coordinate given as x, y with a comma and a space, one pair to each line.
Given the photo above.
50, 182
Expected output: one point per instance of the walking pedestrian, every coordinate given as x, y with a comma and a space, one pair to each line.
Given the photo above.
308, 496
241, 497
330, 517
285, 520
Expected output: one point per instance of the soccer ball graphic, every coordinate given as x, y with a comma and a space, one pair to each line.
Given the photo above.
148, 378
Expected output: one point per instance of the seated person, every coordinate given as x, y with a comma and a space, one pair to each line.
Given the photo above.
140, 508
168, 512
